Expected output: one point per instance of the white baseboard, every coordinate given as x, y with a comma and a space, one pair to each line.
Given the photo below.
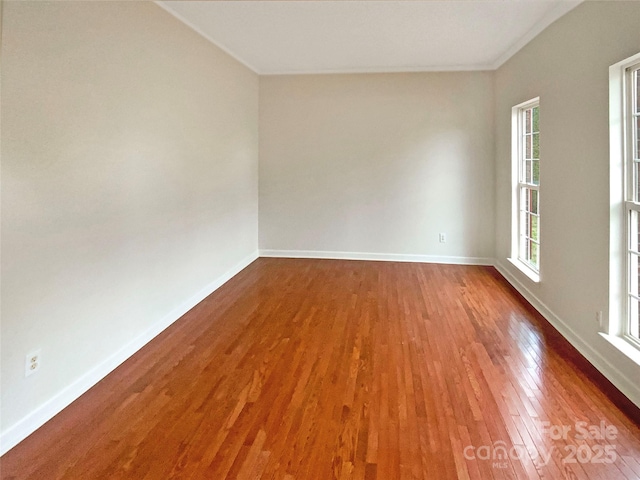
621, 381
34, 420
385, 257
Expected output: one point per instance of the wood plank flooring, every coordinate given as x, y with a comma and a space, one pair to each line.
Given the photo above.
323, 369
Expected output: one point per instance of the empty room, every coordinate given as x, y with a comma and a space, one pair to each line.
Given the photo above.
320, 239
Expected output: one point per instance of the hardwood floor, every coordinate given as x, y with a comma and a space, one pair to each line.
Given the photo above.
320, 369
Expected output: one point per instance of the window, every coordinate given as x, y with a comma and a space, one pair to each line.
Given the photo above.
525, 251
623, 327
631, 126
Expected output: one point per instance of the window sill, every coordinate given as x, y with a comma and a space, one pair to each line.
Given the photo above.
623, 346
531, 274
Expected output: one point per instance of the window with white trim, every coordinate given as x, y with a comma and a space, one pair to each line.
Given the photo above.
622, 327
526, 193
631, 188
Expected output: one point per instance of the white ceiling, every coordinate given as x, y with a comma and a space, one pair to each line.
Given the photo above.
288, 37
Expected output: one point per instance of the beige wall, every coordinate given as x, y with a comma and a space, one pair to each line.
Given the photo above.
567, 66
129, 183
378, 163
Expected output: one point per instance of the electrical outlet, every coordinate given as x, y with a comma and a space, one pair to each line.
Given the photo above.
599, 318
32, 363
443, 238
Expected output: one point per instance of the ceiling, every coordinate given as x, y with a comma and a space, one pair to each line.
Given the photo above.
294, 37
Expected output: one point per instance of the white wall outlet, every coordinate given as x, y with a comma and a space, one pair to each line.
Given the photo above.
32, 363
599, 318
443, 238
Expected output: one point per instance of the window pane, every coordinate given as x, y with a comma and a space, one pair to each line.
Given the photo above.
634, 321
634, 231
637, 75
530, 200
527, 146
527, 171
535, 114
536, 145
637, 129
634, 271
534, 228
536, 172
534, 254
527, 121
636, 182
534, 201
521, 233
